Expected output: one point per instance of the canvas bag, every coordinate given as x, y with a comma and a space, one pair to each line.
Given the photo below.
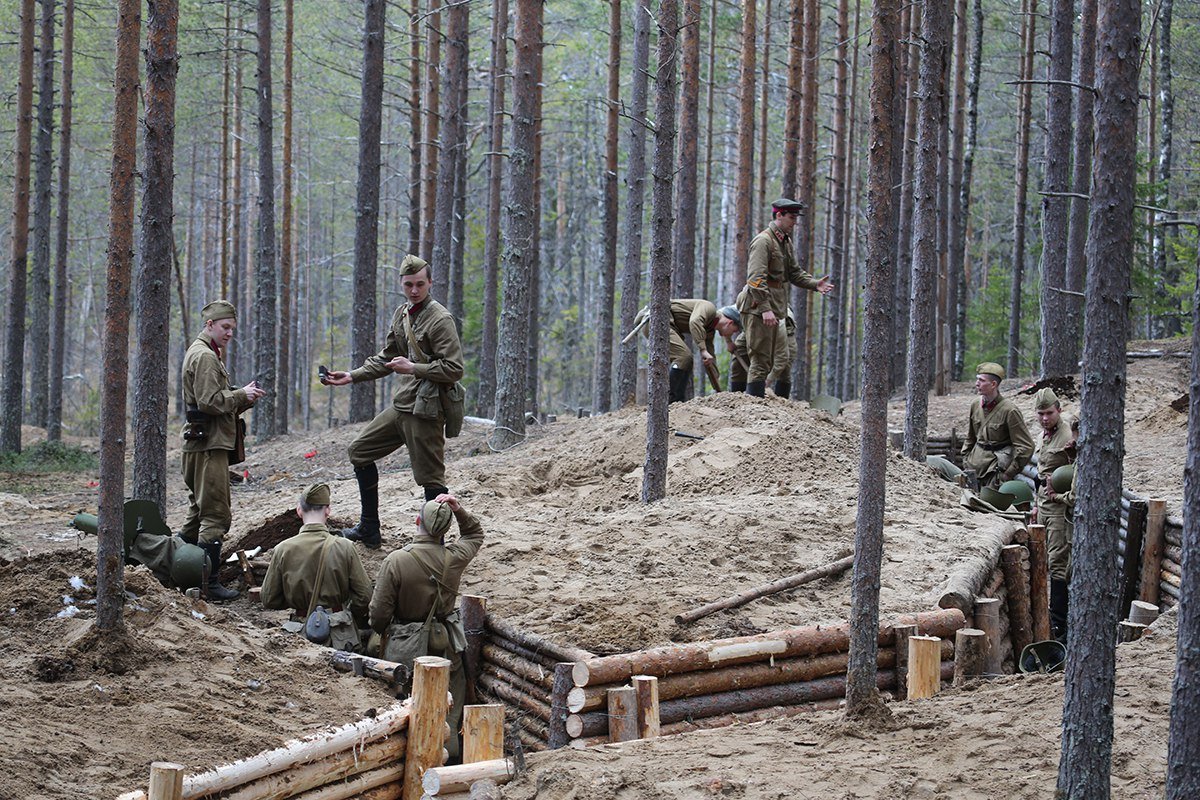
336, 630
433, 399
408, 641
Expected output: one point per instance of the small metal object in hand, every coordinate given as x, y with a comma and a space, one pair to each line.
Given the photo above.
323, 373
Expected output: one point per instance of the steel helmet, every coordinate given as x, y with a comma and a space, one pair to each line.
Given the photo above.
1018, 490
187, 566
1061, 478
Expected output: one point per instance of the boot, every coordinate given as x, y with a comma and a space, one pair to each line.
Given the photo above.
737, 386
679, 380
214, 590
433, 490
783, 389
1058, 609
367, 529
756, 388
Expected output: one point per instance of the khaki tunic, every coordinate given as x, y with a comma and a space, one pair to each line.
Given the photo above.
998, 445
690, 316
1052, 453
437, 336
292, 575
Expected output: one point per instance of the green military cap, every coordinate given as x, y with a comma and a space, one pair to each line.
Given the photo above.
1045, 398
218, 309
991, 368
786, 204
436, 518
732, 313
411, 265
317, 494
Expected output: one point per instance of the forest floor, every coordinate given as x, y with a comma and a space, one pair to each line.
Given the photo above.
571, 554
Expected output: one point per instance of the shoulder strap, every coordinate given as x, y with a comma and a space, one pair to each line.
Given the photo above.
414, 348
312, 603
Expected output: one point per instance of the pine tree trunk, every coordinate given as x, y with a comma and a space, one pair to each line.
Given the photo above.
265, 340
152, 296
11, 401
237, 245
535, 284
415, 184
1164, 265
792, 110
59, 323
1085, 73
683, 281
957, 228
631, 270
602, 371
968, 169
654, 473
935, 22
286, 294
110, 566
1021, 200
487, 358
429, 163
760, 184
837, 200
904, 220
458, 227
43, 194
366, 228
1084, 769
224, 226
454, 97
807, 188
706, 236
743, 226
861, 693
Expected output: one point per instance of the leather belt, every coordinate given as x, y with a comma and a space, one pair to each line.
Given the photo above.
774, 284
992, 448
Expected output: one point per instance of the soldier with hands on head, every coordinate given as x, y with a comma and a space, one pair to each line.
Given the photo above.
212, 433
702, 320
997, 445
424, 351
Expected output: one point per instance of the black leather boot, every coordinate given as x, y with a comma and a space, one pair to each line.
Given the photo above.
678, 385
1058, 609
213, 589
783, 389
433, 490
737, 386
367, 529
757, 388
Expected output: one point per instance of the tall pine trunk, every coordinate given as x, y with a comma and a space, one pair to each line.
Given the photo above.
837, 199
968, 170
683, 279
491, 292
43, 194
286, 294
59, 324
1021, 199
430, 159
265, 345
1165, 267
223, 231
807, 194
602, 371
1085, 74
744, 172
415, 184
904, 219
956, 231
454, 97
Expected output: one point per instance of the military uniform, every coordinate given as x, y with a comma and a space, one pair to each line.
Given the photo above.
292, 575
998, 444
1053, 453
407, 588
694, 317
781, 367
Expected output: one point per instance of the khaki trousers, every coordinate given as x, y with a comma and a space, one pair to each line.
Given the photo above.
391, 430
210, 512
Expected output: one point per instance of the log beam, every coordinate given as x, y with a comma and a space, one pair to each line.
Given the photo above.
924, 678
427, 727
1039, 583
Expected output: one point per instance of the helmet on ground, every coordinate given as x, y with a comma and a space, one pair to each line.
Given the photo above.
1019, 491
1047, 656
1061, 478
187, 566
995, 499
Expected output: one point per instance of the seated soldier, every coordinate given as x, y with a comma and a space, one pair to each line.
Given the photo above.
319, 568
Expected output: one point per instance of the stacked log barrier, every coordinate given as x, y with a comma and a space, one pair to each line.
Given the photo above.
1016, 579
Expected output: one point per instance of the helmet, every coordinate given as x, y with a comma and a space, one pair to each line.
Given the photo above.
1019, 491
1047, 656
995, 499
1061, 478
187, 566
732, 313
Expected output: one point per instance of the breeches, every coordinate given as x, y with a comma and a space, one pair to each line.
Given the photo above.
391, 430
766, 348
1058, 537
209, 516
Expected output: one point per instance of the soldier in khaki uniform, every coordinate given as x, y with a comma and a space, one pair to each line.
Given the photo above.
1055, 449
701, 320
764, 301
314, 554
780, 373
420, 583
998, 445
210, 435
423, 349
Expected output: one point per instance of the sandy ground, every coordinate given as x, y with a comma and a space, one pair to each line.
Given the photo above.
770, 490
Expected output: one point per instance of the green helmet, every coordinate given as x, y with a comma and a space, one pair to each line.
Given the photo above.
995, 499
187, 566
1061, 478
1018, 490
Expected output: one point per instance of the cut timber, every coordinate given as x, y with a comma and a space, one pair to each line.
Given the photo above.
534, 642
515, 696
354, 760
924, 678
483, 732
973, 578
517, 682
646, 689
1020, 627
1138, 513
1128, 631
987, 619
1152, 554
900, 636
380, 784
622, 714
1142, 613
376, 668
484, 790
166, 781
427, 727
458, 778
556, 735
808, 641
843, 563
473, 612
531, 671
970, 646
1039, 583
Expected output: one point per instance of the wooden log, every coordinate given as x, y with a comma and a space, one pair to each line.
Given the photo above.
486, 789
589, 723
790, 643
458, 778
533, 657
1138, 512
1152, 553
995, 582
900, 636
646, 692
389, 791
247, 569
531, 671
514, 696
337, 767
1128, 631
536, 643
924, 679
376, 780
591, 741
530, 742
557, 734
970, 651
427, 727
1171, 567
1142, 613
1020, 626
622, 714
1039, 583
836, 567
987, 619
516, 682
483, 732
975, 576
166, 781
1173, 553
1173, 531
1170, 584
472, 610
376, 668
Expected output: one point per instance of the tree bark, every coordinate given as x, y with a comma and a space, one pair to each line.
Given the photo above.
744, 172
683, 279
39, 290
59, 324
968, 169
837, 199
654, 473
286, 294
904, 224
1084, 768
415, 184
602, 369
264, 267
491, 291
237, 244
1165, 267
535, 283
11, 401
110, 566
807, 187
877, 307
223, 231
795, 101
1085, 73
152, 297
956, 233
1020, 199
430, 158
454, 97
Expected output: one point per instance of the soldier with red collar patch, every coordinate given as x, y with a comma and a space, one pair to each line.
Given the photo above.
998, 444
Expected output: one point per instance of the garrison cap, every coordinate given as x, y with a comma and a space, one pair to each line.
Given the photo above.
786, 204
991, 368
411, 264
1045, 398
436, 518
317, 494
218, 309
732, 313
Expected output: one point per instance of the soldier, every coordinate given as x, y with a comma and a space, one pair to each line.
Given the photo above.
316, 567
702, 320
213, 431
423, 349
998, 445
415, 598
781, 373
1056, 510
764, 301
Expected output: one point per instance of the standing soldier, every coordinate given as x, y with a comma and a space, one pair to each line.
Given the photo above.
782, 372
702, 320
998, 445
423, 349
213, 431
1055, 449
764, 301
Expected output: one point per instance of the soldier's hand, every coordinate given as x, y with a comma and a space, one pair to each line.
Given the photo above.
253, 391
707, 357
824, 285
401, 365
449, 500
769, 319
338, 378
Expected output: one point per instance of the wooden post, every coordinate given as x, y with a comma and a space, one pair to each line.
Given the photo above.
483, 732
563, 683
1142, 613
896, 439
646, 688
924, 666
970, 649
901, 634
439, 781
987, 619
166, 781
1134, 535
622, 714
1020, 627
1039, 583
1128, 631
427, 722
473, 612
1152, 555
